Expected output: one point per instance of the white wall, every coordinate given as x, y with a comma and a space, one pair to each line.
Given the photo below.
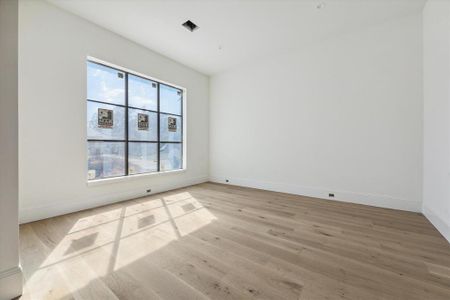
10, 273
342, 116
53, 47
436, 183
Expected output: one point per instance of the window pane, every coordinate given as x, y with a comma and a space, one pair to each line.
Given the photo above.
170, 155
170, 128
104, 124
105, 84
142, 125
142, 157
171, 99
142, 93
106, 159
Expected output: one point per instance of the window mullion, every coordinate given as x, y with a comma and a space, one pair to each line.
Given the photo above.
106, 103
159, 130
126, 125
182, 128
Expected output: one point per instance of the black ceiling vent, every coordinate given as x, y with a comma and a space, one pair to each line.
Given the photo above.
189, 25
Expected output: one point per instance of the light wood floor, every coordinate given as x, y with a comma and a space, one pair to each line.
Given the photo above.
213, 241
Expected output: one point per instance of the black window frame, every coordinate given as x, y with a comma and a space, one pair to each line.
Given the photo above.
158, 112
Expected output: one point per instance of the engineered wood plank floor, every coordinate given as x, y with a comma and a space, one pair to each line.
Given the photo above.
213, 241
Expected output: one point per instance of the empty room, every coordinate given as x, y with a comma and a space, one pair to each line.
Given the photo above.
225, 149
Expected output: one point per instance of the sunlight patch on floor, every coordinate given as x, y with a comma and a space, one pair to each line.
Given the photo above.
110, 239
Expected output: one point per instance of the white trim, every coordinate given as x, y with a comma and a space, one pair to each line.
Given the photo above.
11, 283
34, 213
441, 225
130, 177
377, 200
10, 272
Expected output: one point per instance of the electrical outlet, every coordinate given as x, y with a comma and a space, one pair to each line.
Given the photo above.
331, 195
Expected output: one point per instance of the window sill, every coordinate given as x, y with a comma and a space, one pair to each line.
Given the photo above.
130, 177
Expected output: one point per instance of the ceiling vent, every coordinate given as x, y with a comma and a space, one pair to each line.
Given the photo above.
189, 25
320, 5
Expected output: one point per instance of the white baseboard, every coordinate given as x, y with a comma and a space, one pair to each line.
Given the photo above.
384, 201
34, 213
11, 283
441, 224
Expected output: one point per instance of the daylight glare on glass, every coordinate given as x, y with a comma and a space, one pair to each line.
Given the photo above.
134, 125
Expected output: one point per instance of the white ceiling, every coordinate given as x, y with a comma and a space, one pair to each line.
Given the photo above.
243, 29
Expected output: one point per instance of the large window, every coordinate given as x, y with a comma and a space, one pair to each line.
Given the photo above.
134, 124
